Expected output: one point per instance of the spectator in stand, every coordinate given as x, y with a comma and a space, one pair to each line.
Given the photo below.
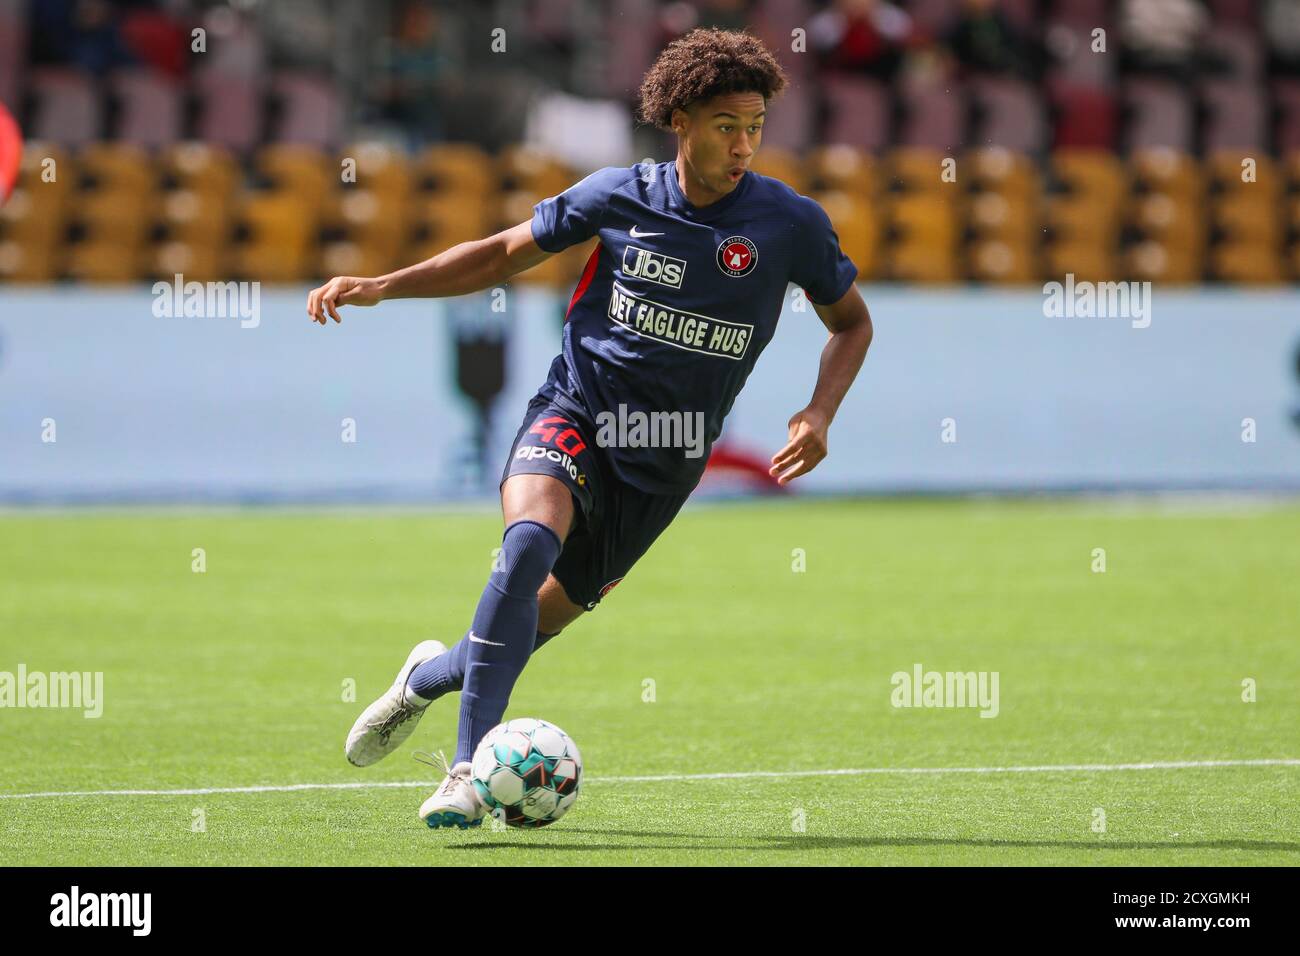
983, 40
862, 37
1281, 24
413, 70
79, 33
157, 39
679, 18
1164, 37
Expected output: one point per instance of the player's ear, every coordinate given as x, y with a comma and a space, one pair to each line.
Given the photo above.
680, 121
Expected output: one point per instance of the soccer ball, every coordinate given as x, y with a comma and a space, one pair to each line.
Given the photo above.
527, 772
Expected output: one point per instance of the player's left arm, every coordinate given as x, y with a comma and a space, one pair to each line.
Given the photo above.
849, 324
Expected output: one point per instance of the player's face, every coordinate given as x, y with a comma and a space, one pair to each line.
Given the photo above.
718, 139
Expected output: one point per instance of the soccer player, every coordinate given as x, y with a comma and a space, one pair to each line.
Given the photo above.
674, 307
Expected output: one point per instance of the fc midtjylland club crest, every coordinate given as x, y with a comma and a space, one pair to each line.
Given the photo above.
737, 256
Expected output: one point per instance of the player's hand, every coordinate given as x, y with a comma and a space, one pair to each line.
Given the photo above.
805, 449
341, 290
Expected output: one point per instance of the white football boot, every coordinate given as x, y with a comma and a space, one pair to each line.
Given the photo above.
385, 724
455, 803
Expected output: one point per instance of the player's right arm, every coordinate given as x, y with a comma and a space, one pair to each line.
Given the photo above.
468, 267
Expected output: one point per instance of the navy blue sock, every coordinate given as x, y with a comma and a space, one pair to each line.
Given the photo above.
504, 630
446, 672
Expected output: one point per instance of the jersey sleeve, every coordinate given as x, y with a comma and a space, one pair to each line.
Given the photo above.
574, 215
820, 266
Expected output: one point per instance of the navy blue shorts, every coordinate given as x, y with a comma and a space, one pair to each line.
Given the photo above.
616, 522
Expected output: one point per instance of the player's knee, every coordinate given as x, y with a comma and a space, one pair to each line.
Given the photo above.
528, 550
555, 611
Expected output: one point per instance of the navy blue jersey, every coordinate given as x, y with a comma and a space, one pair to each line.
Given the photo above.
677, 302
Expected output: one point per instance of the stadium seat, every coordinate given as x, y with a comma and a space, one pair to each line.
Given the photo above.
198, 218
1088, 261
382, 168
196, 261
858, 112
120, 167
30, 262
229, 110
1167, 171
201, 168
843, 168
66, 106
919, 170
1160, 115
857, 224
998, 261
310, 110
451, 217
1009, 114
116, 216
527, 168
459, 167
149, 107
928, 231
1235, 115
934, 115
782, 164
105, 260
1085, 118
792, 127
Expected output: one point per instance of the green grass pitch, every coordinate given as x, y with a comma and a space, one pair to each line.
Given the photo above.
237, 676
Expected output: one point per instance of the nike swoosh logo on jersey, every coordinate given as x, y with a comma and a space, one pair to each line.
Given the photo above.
636, 234
478, 640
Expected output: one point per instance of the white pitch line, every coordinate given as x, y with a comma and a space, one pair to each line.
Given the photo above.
687, 777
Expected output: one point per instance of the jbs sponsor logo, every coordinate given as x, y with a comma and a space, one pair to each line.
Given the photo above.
653, 266
686, 330
534, 452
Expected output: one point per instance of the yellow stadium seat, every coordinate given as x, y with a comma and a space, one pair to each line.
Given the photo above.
914, 169
1010, 218
111, 216
29, 262
1158, 261
1087, 261
119, 167
998, 170
857, 224
106, 261
458, 167
1092, 173
201, 168
996, 260
912, 261
196, 261
1227, 169
382, 169
535, 171
1249, 215
1167, 171
931, 219
780, 164
196, 217
843, 168
1253, 263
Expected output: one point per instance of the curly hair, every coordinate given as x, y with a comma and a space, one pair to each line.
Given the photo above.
706, 63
